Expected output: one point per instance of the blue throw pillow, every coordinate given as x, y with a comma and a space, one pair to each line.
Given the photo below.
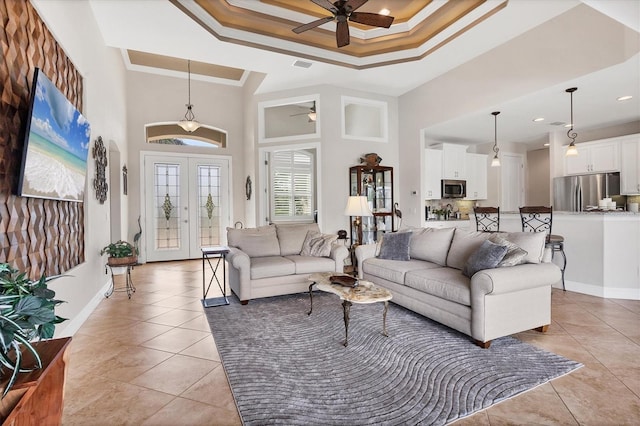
487, 256
395, 246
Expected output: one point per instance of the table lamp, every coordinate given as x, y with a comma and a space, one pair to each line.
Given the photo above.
357, 206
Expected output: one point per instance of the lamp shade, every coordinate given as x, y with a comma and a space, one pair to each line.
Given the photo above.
357, 206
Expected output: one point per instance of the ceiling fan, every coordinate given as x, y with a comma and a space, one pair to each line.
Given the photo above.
310, 113
343, 11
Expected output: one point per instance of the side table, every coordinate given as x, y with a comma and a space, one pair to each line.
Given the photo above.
219, 253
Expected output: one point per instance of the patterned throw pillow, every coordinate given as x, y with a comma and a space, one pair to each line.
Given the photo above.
395, 246
515, 255
487, 256
317, 244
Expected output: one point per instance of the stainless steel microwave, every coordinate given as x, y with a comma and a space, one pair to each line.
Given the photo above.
454, 188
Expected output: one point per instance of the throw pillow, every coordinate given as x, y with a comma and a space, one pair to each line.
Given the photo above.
317, 244
487, 256
515, 255
395, 246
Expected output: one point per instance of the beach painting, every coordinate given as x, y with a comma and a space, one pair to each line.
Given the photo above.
57, 142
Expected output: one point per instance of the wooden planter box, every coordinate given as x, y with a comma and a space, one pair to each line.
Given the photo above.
122, 261
36, 398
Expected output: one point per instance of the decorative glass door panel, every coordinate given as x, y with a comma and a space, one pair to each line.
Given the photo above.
186, 205
375, 183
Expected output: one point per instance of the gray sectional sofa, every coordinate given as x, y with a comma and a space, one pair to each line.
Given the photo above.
491, 303
278, 259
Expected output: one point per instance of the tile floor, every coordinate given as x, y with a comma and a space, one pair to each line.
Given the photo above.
151, 360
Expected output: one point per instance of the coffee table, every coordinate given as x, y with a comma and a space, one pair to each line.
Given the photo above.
364, 292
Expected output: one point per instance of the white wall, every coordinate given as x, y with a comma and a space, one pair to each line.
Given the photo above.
74, 27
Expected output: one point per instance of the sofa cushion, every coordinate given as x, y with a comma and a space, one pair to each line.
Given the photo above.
531, 242
255, 242
393, 270
487, 256
431, 244
291, 236
311, 264
463, 244
515, 255
317, 244
445, 283
395, 246
272, 266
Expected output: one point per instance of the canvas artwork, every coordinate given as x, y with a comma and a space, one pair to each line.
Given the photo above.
56, 146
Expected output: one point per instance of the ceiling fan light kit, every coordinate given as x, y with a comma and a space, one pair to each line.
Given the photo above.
343, 11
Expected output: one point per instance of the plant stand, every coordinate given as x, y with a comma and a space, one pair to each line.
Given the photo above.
126, 262
38, 395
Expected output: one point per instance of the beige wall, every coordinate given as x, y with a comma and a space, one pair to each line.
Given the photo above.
104, 100
538, 178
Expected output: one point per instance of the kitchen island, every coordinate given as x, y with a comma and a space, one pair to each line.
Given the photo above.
602, 248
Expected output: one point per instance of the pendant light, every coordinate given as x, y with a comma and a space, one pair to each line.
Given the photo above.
571, 150
496, 161
189, 123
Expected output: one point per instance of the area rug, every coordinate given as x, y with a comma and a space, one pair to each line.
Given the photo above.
287, 367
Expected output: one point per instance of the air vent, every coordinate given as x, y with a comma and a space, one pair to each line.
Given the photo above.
302, 64
557, 123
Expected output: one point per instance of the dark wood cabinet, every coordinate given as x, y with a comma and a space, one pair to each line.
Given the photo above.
375, 183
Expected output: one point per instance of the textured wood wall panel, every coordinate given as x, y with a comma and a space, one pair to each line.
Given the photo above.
36, 235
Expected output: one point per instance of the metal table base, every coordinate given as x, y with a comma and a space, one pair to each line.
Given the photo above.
219, 253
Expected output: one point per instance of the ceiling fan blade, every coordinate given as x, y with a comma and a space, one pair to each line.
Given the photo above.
372, 19
310, 25
355, 4
342, 33
326, 4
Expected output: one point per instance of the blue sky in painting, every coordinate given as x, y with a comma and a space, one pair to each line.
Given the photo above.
57, 120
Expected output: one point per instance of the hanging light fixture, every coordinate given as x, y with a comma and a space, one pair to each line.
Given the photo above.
496, 161
189, 123
571, 150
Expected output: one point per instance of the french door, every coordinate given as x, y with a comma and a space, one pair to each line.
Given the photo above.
186, 205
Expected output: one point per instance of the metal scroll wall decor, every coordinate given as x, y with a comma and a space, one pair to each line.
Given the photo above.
100, 181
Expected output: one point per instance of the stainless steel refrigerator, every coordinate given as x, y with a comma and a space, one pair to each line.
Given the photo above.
579, 193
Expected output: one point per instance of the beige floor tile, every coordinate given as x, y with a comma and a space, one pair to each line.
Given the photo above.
186, 412
199, 323
175, 340
128, 365
205, 348
175, 317
176, 374
212, 389
177, 302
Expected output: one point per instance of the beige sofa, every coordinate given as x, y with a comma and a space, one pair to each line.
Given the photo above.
491, 304
271, 260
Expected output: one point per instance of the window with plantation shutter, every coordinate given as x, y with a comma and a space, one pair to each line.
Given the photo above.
292, 185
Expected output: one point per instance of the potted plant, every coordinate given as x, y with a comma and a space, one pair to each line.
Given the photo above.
27, 311
120, 253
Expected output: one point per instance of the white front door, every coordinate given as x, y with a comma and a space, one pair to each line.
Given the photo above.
186, 205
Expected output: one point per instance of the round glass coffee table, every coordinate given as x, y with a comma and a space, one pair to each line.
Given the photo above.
363, 292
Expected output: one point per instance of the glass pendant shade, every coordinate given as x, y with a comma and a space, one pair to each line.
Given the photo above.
496, 161
572, 150
189, 123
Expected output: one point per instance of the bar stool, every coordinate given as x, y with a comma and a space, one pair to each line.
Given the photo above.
540, 219
487, 219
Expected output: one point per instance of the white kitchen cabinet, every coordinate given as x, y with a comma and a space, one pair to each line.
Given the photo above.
594, 157
476, 171
630, 166
432, 174
454, 161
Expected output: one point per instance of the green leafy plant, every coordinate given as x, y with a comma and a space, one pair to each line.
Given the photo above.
119, 249
27, 311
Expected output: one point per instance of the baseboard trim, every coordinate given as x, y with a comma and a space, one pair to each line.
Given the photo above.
604, 292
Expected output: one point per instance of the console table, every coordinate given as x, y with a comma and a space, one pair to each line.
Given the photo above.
218, 254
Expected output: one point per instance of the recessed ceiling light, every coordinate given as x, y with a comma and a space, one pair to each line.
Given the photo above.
384, 12
538, 119
568, 125
546, 144
625, 98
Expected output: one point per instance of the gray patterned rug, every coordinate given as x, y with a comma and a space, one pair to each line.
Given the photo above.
285, 367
